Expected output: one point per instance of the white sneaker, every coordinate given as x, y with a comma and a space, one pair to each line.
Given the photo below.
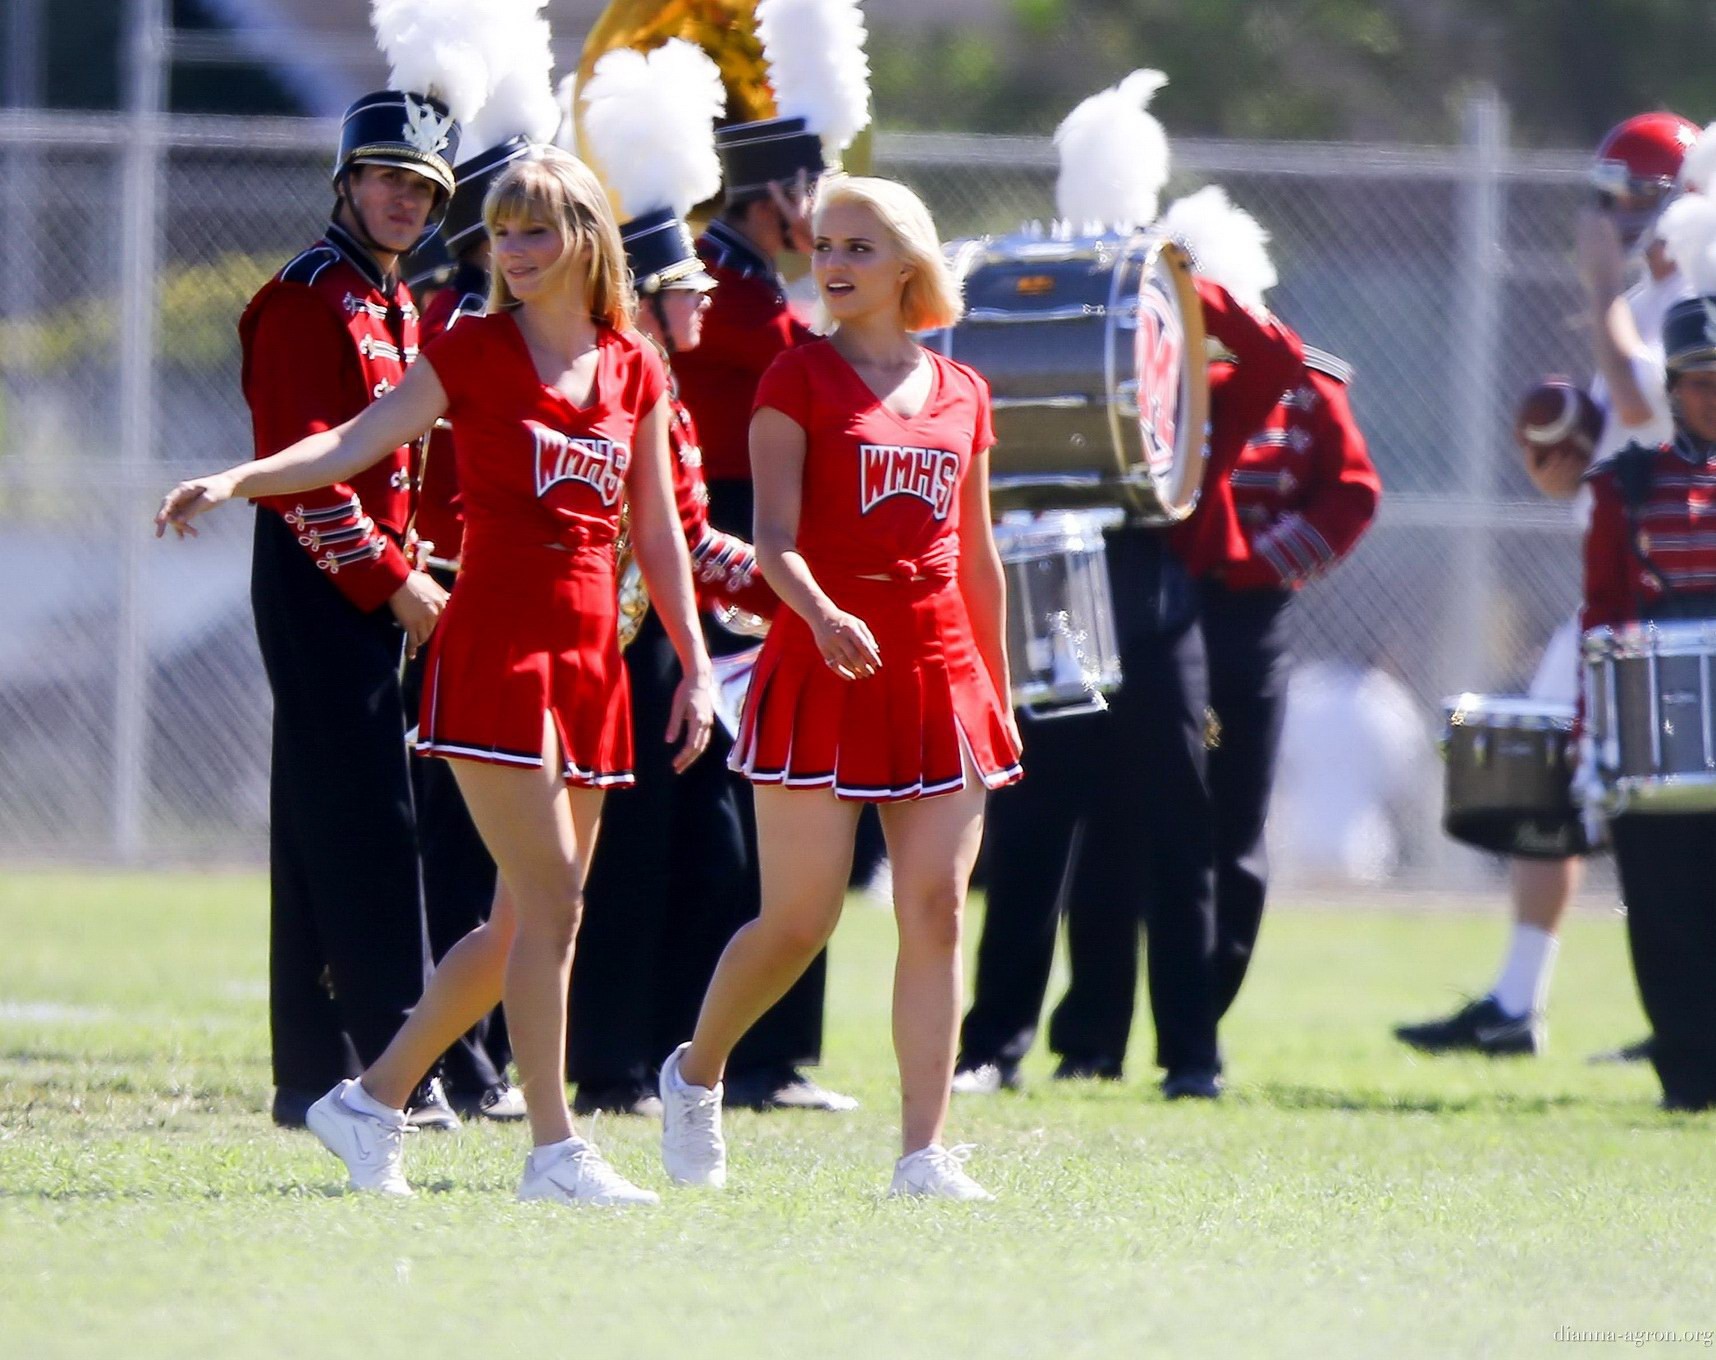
692, 1149
978, 1081
936, 1172
580, 1175
373, 1148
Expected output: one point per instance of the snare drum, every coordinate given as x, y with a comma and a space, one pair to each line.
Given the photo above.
1510, 776
1062, 647
1652, 713
1093, 348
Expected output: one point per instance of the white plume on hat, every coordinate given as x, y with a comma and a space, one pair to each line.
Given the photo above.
649, 119
1114, 156
817, 66
520, 100
1698, 170
436, 47
1687, 229
1227, 244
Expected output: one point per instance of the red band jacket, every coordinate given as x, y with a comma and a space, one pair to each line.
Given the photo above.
1665, 548
1305, 489
1263, 358
321, 340
746, 326
723, 566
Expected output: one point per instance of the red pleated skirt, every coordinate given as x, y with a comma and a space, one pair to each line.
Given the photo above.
528, 631
897, 734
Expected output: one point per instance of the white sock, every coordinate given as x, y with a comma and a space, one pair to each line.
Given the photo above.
1523, 986
363, 1102
542, 1156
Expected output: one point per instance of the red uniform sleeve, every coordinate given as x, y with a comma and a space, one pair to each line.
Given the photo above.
723, 566
786, 387
1608, 597
1339, 504
300, 378
1268, 358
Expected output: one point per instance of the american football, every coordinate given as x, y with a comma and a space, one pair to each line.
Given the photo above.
1557, 416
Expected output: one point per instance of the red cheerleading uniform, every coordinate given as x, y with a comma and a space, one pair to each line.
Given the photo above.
880, 499
440, 518
533, 624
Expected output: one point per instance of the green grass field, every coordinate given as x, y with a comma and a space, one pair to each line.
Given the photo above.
1345, 1198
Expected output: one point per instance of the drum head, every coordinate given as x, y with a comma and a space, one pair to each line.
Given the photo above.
1168, 387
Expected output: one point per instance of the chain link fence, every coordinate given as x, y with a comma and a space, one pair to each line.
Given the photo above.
134, 717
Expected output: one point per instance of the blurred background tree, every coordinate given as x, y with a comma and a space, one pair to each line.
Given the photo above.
1391, 70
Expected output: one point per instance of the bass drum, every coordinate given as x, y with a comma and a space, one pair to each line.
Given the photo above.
1093, 348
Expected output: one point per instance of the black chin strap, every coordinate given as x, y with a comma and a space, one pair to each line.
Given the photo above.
659, 311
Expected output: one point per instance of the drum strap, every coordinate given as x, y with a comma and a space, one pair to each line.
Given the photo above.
1635, 469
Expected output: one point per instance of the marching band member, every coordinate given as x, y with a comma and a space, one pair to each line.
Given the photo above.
1305, 491
1116, 820
673, 858
1650, 555
881, 680
332, 592
1639, 165
559, 411
459, 880
816, 63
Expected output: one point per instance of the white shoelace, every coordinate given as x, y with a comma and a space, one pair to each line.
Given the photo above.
948, 1163
593, 1168
698, 1117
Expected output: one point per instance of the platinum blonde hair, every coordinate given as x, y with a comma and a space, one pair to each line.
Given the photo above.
932, 297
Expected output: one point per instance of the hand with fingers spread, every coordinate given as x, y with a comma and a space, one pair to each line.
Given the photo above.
847, 645
691, 719
188, 500
417, 604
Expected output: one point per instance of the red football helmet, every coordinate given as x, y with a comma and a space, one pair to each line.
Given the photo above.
1642, 156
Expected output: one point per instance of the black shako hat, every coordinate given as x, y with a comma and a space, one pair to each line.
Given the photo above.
661, 253
403, 129
1689, 335
754, 155
472, 180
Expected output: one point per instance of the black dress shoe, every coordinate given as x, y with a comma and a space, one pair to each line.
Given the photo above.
624, 1099
1192, 1083
1088, 1069
429, 1108
292, 1105
781, 1088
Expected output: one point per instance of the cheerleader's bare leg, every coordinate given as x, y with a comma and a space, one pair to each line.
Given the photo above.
541, 833
932, 845
804, 849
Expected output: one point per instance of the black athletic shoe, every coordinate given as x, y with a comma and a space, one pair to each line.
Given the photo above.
624, 1099
292, 1105
1479, 1027
1626, 1053
429, 1108
1088, 1069
1192, 1083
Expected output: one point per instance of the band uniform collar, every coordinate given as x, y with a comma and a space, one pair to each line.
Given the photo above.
730, 250
359, 258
